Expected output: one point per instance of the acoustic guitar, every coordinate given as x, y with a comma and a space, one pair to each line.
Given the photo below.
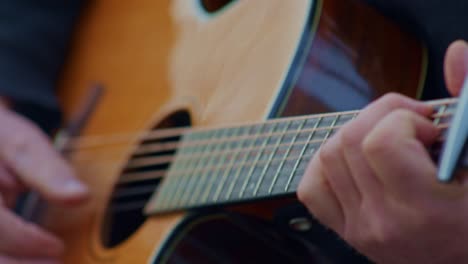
211, 111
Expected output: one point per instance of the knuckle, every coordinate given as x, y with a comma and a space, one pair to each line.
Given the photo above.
382, 139
393, 99
24, 137
400, 114
302, 193
375, 145
349, 136
19, 146
327, 154
386, 231
308, 186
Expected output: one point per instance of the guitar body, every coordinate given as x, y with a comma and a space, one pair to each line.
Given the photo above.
166, 63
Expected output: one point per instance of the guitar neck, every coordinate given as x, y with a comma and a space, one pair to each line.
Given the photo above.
254, 161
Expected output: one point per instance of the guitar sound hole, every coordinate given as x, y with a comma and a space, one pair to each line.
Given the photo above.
138, 180
213, 6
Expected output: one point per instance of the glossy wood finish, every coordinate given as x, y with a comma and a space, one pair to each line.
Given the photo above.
355, 56
157, 57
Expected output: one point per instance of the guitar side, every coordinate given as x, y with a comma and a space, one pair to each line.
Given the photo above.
238, 65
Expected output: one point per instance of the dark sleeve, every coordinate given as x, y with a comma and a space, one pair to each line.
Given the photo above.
34, 36
438, 23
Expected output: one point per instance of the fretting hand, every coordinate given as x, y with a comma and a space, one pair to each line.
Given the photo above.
28, 161
375, 185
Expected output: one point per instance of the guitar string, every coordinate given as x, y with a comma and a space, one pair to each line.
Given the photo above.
93, 141
178, 132
126, 177
268, 149
235, 166
129, 193
173, 146
238, 165
97, 141
164, 159
198, 143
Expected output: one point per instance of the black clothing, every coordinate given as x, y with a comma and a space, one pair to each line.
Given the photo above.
33, 43
34, 37
437, 23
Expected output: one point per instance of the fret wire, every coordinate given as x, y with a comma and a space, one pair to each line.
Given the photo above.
201, 142
167, 192
169, 185
201, 179
82, 143
437, 120
199, 196
305, 156
327, 135
189, 156
176, 175
210, 184
257, 157
331, 129
185, 180
296, 164
440, 113
251, 163
229, 168
270, 158
286, 155
265, 148
239, 169
183, 156
198, 203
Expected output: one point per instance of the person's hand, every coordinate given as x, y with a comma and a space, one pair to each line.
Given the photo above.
375, 184
28, 161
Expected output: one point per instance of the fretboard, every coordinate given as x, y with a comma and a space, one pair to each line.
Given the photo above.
235, 164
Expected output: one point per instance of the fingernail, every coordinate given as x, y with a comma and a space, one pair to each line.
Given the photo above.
74, 187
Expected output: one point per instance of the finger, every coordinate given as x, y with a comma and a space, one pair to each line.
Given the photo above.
9, 198
398, 155
336, 171
9, 187
456, 66
19, 238
10, 260
315, 192
353, 134
7, 179
30, 155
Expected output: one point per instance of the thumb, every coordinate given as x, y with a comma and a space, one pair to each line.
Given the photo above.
26, 151
456, 66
